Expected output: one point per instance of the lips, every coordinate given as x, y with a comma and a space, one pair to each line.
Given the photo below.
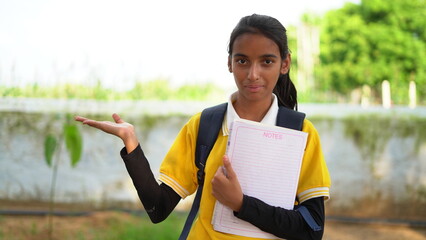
254, 88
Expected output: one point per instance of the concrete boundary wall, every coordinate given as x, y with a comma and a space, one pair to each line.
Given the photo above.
376, 156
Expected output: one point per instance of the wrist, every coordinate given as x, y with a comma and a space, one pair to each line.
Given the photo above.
241, 208
130, 142
239, 204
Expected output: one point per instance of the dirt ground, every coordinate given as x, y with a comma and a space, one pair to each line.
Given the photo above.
33, 228
21, 227
359, 231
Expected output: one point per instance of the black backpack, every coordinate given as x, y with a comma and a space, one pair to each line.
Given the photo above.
210, 124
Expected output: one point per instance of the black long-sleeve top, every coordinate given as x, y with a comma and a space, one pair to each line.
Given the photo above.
159, 200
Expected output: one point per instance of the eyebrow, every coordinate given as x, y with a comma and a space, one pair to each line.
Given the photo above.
263, 56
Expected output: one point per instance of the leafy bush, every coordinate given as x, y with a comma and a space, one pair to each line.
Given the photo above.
153, 90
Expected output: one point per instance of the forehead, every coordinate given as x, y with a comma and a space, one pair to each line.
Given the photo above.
254, 43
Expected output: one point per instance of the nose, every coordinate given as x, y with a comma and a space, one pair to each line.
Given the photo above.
253, 72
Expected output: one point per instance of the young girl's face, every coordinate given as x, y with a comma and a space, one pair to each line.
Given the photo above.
256, 64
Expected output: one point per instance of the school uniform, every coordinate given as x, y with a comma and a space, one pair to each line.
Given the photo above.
178, 171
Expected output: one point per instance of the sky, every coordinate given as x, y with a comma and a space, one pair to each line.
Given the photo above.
119, 42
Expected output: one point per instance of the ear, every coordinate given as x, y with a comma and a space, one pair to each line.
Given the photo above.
285, 65
229, 64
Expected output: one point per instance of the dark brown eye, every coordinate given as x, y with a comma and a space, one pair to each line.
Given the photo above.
241, 61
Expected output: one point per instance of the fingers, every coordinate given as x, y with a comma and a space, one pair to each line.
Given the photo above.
229, 171
219, 180
225, 173
219, 175
95, 124
85, 120
80, 119
225, 186
117, 118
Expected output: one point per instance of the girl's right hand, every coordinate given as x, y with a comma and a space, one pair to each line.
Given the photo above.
125, 131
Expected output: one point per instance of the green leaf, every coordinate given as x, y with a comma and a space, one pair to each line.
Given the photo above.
73, 142
50, 143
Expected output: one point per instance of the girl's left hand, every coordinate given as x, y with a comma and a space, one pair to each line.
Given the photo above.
226, 188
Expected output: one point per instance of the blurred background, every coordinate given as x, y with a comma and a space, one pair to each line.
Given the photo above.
359, 67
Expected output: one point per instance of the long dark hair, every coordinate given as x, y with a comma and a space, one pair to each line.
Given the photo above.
271, 28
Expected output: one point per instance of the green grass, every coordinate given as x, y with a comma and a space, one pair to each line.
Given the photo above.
1, 230
143, 228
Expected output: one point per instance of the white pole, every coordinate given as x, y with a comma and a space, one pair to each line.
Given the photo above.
412, 94
366, 95
386, 94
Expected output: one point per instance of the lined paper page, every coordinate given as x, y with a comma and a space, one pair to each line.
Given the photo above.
267, 161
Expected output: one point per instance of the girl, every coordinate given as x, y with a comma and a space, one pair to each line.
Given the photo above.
259, 59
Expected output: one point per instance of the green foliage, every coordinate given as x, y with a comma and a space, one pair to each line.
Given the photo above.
50, 143
73, 142
292, 45
374, 41
159, 89
311, 19
192, 92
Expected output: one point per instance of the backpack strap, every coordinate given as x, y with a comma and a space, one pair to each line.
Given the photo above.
210, 124
289, 118
292, 119
308, 218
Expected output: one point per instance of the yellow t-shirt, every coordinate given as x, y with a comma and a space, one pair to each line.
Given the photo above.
178, 171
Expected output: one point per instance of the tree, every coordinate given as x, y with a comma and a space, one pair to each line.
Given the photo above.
374, 41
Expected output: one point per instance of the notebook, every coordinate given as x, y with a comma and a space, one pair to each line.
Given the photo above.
267, 160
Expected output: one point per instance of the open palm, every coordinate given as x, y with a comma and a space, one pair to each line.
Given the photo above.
125, 131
